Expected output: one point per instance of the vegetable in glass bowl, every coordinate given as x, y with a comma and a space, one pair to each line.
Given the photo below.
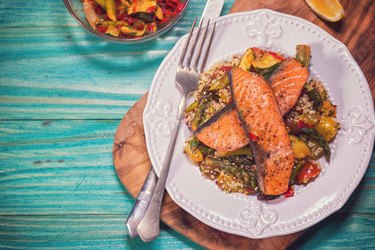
126, 20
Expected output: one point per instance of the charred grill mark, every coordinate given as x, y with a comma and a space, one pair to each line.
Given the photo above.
215, 117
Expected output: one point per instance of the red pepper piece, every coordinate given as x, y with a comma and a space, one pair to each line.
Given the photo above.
302, 124
257, 52
277, 56
130, 20
170, 5
151, 27
289, 193
253, 137
180, 6
151, 10
139, 26
99, 10
308, 172
102, 29
226, 68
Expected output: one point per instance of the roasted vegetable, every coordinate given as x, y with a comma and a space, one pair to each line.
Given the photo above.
112, 30
303, 54
247, 59
291, 124
316, 150
101, 3
144, 16
296, 168
144, 6
192, 151
132, 32
111, 9
242, 151
221, 83
300, 148
266, 61
258, 53
307, 173
327, 127
203, 101
237, 174
159, 13
328, 109
310, 118
191, 107
313, 134
315, 97
266, 73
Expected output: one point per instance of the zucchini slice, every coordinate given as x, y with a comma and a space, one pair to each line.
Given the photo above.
299, 147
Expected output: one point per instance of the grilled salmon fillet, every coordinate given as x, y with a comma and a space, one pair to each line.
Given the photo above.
287, 83
257, 107
225, 132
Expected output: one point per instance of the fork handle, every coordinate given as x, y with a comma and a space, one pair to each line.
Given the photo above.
141, 203
149, 228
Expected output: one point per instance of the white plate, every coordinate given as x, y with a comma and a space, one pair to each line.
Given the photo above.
245, 215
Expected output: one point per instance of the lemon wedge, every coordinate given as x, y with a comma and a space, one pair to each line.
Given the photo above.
329, 10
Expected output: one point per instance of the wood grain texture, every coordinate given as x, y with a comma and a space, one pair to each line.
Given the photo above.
107, 232
132, 170
51, 68
63, 93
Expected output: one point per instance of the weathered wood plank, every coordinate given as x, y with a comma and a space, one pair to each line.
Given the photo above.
53, 69
65, 167
340, 231
108, 231
82, 231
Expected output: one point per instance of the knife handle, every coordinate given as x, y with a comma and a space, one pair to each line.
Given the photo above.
141, 203
212, 10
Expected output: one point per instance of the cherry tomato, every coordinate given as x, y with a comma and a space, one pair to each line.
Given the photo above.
307, 173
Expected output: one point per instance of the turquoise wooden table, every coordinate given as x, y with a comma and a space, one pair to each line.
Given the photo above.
63, 93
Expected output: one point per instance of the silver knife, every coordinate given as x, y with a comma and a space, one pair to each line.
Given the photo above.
211, 11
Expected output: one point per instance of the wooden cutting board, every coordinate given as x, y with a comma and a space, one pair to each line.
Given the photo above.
130, 154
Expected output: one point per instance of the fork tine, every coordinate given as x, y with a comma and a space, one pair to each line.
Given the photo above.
195, 64
203, 65
187, 42
192, 49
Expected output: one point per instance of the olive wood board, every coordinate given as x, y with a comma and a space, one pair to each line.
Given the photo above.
130, 153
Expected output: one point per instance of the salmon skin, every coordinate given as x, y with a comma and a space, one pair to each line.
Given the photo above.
287, 83
223, 131
263, 123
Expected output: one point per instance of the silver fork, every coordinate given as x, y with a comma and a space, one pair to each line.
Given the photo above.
187, 76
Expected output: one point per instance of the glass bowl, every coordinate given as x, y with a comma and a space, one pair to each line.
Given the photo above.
75, 8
